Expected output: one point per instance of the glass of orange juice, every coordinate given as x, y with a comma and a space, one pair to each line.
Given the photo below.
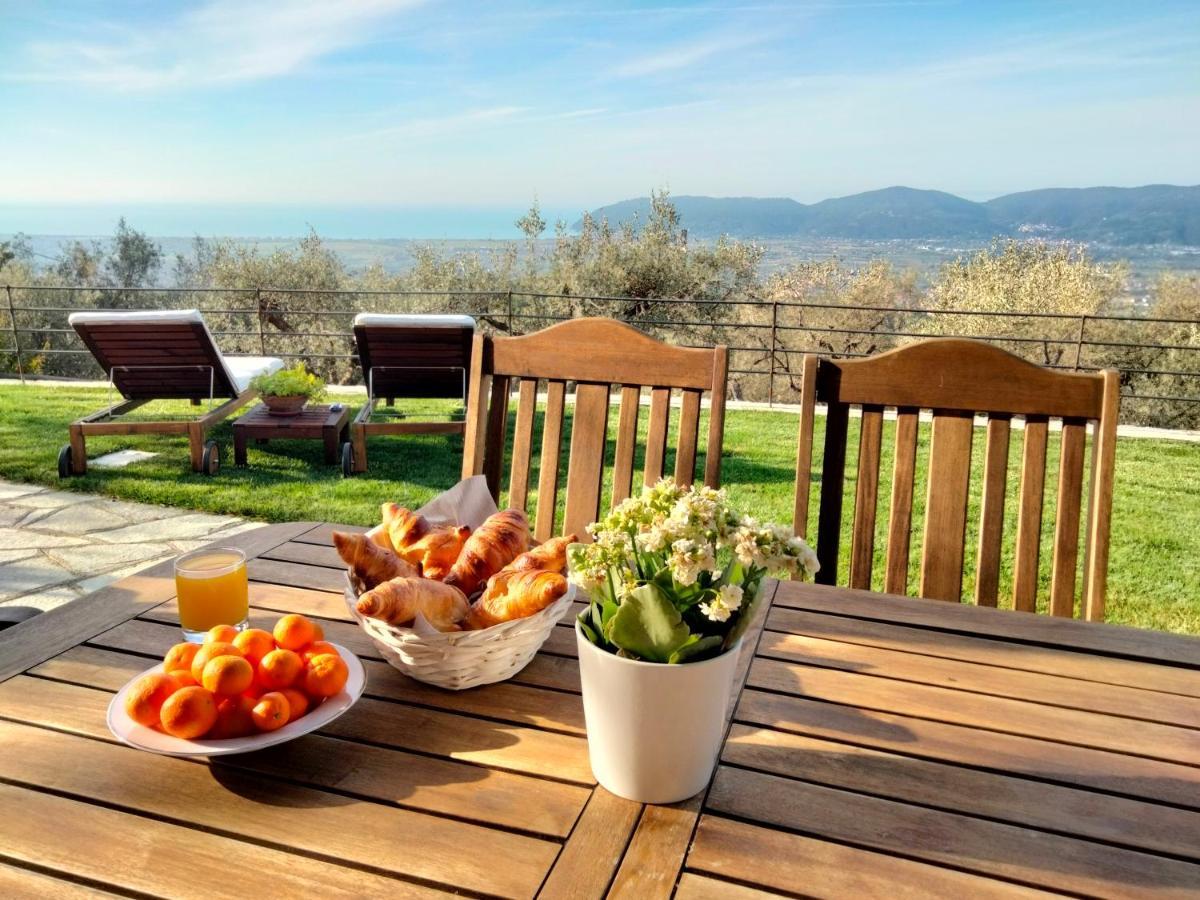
211, 588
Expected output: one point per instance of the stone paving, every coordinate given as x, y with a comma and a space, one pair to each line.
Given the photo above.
57, 546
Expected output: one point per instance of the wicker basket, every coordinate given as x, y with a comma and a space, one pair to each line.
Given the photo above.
460, 659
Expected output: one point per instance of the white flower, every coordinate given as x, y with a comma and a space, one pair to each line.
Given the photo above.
716, 611
730, 596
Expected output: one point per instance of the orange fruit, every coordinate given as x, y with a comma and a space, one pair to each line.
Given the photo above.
184, 677
254, 644
293, 631
279, 669
145, 699
325, 676
318, 632
211, 651
316, 648
271, 711
235, 718
180, 657
189, 713
221, 634
227, 675
297, 703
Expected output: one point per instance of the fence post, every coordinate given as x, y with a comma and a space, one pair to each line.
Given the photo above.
12, 319
510, 312
1079, 341
771, 377
258, 317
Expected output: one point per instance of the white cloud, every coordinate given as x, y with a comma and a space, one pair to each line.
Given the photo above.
680, 56
221, 42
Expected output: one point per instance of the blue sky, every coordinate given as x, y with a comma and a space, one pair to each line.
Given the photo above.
400, 102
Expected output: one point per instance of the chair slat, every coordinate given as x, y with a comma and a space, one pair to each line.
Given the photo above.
866, 497
497, 425
518, 480
1029, 515
1066, 522
689, 435
656, 436
991, 515
543, 526
804, 445
904, 469
1100, 508
585, 473
946, 506
631, 401
716, 418
833, 477
474, 438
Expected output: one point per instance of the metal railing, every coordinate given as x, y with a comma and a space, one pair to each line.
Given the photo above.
1159, 358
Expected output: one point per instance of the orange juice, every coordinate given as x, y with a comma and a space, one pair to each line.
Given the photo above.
211, 589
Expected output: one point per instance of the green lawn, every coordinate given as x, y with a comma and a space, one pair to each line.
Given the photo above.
1154, 574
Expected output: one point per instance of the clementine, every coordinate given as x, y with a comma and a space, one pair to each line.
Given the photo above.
325, 676
180, 657
297, 703
211, 651
318, 632
145, 699
223, 634
254, 644
279, 669
184, 677
227, 675
189, 713
271, 711
235, 717
316, 648
293, 631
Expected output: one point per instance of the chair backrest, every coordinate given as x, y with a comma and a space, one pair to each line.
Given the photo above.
597, 355
414, 355
957, 379
156, 354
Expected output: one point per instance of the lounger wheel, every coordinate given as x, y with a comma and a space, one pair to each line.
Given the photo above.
64, 461
211, 464
347, 460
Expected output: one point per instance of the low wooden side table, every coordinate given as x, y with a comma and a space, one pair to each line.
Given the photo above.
325, 423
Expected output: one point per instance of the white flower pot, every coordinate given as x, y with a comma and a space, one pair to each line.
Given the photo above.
654, 730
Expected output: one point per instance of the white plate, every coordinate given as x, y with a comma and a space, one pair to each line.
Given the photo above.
135, 735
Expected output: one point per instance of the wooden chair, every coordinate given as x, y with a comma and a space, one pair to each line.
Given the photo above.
598, 355
407, 356
957, 379
161, 355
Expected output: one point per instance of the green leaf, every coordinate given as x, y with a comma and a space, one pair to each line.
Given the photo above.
694, 646
587, 629
647, 624
745, 614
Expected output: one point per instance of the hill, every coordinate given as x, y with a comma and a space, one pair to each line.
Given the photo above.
1154, 214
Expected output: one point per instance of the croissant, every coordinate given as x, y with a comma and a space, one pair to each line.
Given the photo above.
437, 552
499, 540
548, 557
514, 595
372, 563
403, 526
398, 601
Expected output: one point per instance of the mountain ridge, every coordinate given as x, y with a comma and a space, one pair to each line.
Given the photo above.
1150, 214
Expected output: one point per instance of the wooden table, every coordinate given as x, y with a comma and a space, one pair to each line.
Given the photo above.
880, 747
329, 424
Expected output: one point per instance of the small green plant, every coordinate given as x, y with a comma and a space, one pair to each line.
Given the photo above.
294, 382
673, 575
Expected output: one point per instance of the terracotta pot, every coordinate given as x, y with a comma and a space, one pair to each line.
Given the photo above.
654, 730
285, 406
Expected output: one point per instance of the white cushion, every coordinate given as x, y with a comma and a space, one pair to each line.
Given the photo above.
238, 369
136, 317
242, 369
398, 320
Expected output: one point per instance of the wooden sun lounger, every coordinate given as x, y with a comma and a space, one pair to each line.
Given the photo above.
413, 356
161, 355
